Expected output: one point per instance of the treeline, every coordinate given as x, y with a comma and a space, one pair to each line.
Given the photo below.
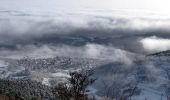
76, 88
24, 90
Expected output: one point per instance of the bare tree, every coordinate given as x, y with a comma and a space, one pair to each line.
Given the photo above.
75, 88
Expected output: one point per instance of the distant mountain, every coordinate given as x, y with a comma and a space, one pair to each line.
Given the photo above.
162, 53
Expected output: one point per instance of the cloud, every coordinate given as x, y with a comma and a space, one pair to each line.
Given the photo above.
155, 44
94, 51
108, 52
77, 31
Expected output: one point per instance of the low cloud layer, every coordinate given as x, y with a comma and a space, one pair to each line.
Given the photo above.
83, 35
94, 51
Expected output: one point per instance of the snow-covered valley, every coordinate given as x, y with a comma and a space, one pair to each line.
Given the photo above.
148, 74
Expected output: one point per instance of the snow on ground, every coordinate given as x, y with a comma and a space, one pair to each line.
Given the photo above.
46, 81
149, 93
3, 69
3, 63
60, 75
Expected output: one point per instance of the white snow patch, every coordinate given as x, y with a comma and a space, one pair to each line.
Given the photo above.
46, 81
60, 74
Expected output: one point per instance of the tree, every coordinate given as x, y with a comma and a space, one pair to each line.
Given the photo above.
75, 87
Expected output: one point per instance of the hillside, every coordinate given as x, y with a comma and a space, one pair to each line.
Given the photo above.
159, 54
25, 89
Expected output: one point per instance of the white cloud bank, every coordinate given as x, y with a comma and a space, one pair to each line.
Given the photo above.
155, 44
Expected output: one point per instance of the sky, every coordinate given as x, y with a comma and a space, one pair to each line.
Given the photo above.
160, 7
